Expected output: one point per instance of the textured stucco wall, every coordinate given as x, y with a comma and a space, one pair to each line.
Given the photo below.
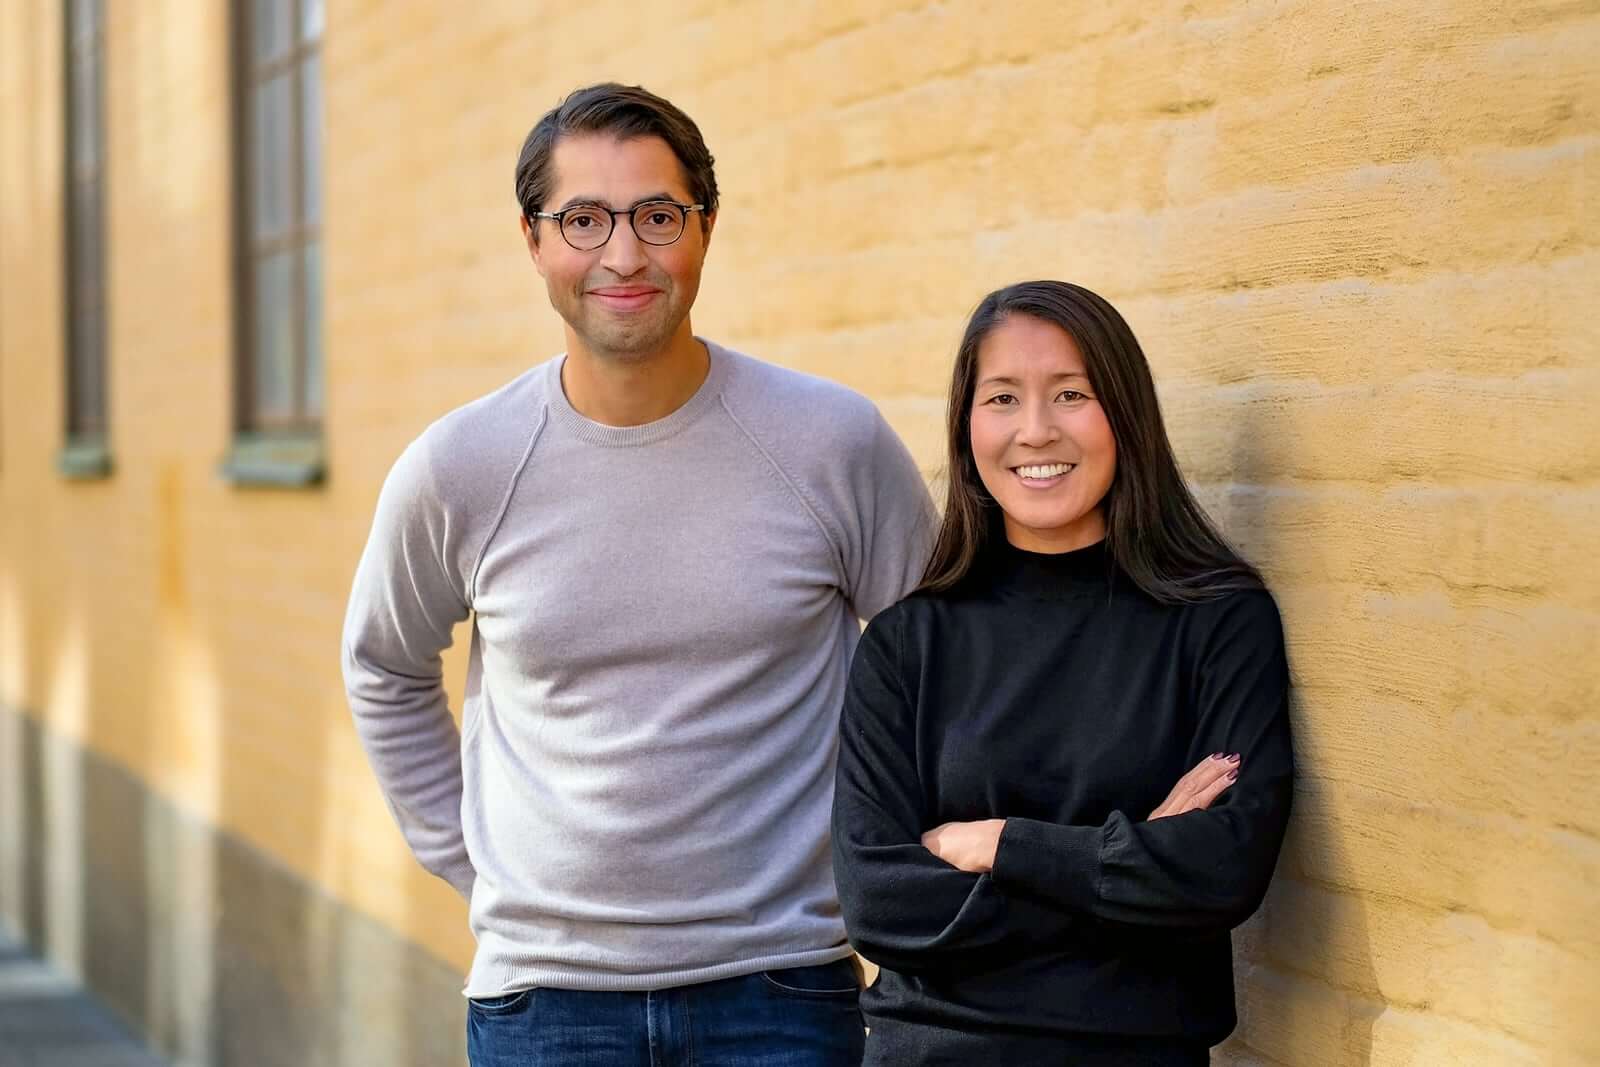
1357, 240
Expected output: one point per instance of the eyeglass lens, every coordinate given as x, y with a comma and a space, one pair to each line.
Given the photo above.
656, 223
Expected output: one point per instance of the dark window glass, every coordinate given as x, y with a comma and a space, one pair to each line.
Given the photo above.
280, 379
85, 198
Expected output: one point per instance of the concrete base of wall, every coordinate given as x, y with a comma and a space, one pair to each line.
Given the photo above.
214, 952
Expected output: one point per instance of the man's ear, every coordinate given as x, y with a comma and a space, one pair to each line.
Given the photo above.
705, 232
531, 239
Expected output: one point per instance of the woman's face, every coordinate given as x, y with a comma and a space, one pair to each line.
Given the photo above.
1043, 447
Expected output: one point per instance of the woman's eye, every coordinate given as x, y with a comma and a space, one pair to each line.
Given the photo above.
1070, 395
1002, 398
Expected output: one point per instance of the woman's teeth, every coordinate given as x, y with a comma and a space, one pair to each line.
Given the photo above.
1049, 470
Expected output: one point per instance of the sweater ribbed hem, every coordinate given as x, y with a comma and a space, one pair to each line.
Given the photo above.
502, 978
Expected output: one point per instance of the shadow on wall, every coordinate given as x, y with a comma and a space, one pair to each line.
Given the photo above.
1303, 964
210, 950
213, 951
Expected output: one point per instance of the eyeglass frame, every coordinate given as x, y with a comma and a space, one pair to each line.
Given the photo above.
558, 217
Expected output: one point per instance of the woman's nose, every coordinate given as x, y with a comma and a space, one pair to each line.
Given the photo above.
1038, 428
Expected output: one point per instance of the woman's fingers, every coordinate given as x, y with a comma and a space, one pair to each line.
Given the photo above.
1202, 800
1200, 778
1207, 771
1203, 784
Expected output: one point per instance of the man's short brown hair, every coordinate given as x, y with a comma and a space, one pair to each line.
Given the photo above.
624, 112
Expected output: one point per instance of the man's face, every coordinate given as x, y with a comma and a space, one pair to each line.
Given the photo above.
626, 299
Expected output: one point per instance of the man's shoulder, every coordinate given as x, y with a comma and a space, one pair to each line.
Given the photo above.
510, 411
478, 445
786, 401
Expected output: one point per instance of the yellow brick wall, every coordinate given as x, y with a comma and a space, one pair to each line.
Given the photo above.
1357, 240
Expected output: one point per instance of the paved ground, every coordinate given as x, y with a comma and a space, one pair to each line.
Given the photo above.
47, 1021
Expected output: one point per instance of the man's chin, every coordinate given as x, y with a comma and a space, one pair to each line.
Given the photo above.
626, 345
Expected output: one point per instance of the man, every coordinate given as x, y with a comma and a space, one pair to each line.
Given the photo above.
665, 547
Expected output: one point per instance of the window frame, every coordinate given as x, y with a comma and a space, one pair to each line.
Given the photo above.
86, 423
276, 448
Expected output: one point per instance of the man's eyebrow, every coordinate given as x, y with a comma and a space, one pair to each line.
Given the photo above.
601, 202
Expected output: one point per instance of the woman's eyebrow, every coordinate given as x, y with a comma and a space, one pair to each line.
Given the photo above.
1000, 379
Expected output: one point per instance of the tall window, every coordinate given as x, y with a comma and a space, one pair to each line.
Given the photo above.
85, 453
279, 384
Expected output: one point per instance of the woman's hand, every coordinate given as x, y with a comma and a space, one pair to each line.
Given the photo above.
971, 846
1196, 790
968, 846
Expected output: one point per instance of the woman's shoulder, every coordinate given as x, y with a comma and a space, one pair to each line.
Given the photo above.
1249, 616
927, 623
888, 625
925, 606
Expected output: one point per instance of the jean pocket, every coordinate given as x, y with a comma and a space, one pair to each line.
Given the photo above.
826, 980
504, 1004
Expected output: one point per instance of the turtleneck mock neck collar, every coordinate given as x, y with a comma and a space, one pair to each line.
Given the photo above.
1048, 574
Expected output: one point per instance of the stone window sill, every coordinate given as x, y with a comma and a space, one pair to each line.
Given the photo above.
84, 459
282, 462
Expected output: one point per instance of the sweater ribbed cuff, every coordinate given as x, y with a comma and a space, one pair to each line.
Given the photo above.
1060, 864
461, 877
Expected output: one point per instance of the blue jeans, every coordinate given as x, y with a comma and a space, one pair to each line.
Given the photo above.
796, 1017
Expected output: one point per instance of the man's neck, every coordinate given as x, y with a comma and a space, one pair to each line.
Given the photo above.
634, 391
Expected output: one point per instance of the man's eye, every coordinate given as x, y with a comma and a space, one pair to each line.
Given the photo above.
583, 220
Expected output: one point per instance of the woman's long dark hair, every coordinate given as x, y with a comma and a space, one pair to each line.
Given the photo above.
1155, 529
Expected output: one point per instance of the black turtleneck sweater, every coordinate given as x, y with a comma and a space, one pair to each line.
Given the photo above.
1051, 692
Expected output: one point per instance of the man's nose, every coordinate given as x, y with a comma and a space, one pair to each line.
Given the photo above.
624, 253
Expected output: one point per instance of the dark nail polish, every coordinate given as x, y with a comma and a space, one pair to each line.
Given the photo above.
1234, 758
1215, 755
1232, 775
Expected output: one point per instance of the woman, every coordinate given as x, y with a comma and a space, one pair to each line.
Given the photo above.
1009, 843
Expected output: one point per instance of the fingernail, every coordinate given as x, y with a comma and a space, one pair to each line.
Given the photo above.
1234, 758
1232, 775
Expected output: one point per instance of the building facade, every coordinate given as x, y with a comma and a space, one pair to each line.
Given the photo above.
247, 251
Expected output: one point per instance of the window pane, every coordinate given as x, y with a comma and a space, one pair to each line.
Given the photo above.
86, 292
85, 232
313, 327
269, 30
89, 416
311, 17
85, 16
311, 143
272, 157
274, 336
86, 392
87, 337
85, 110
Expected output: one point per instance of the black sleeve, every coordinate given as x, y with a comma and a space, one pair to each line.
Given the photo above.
904, 908
1203, 870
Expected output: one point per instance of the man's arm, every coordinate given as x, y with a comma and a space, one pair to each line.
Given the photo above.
406, 600
889, 542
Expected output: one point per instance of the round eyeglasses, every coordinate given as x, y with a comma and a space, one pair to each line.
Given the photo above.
586, 227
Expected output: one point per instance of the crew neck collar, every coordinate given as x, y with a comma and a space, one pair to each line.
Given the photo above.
598, 433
